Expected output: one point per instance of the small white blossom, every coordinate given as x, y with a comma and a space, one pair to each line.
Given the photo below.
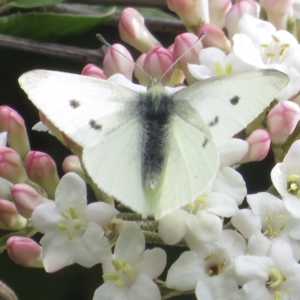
286, 179
128, 274
268, 217
72, 229
259, 44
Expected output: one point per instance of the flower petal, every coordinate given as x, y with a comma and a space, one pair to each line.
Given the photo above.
144, 288
109, 291
100, 213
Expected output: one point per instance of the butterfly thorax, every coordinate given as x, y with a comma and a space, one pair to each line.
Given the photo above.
156, 108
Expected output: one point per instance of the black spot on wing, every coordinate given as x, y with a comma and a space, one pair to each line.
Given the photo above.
234, 100
95, 125
74, 103
213, 122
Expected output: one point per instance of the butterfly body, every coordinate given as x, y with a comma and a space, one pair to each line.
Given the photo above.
152, 150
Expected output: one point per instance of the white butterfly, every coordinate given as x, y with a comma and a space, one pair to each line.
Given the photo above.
152, 151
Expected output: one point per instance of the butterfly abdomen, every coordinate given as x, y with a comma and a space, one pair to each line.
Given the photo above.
155, 113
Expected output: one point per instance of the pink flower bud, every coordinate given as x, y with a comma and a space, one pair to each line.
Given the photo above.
13, 123
157, 61
183, 42
11, 166
93, 71
24, 251
72, 164
133, 31
26, 199
191, 12
278, 12
259, 145
236, 12
10, 219
214, 37
282, 120
41, 169
217, 11
138, 73
115, 61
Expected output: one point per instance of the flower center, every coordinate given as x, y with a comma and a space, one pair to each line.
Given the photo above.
193, 207
273, 225
123, 274
293, 185
275, 279
72, 224
274, 51
219, 70
216, 263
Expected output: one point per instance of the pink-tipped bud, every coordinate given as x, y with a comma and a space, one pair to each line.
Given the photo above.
41, 169
11, 166
157, 61
259, 145
183, 42
282, 120
217, 11
26, 199
93, 71
133, 31
13, 124
72, 164
191, 12
236, 12
118, 60
10, 219
24, 251
214, 37
138, 73
278, 12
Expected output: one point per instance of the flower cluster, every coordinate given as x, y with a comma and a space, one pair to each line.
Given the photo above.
234, 251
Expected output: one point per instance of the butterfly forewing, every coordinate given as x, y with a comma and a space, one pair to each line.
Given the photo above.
84, 108
227, 104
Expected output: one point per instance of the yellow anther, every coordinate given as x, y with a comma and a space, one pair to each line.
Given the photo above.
70, 235
65, 215
78, 225
269, 229
62, 226
278, 277
110, 276
264, 45
209, 272
285, 45
270, 217
218, 68
293, 187
228, 69
212, 255
201, 200
73, 212
282, 51
293, 178
191, 206
117, 264
270, 54
281, 217
275, 38
128, 271
282, 227
119, 282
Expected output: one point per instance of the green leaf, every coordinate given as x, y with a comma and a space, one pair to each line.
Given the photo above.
30, 3
49, 26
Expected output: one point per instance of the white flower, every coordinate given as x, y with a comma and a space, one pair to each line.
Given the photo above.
129, 273
268, 218
214, 62
3, 139
73, 230
279, 273
259, 44
206, 261
286, 179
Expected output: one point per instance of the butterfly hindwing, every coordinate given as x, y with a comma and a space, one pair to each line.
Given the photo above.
227, 104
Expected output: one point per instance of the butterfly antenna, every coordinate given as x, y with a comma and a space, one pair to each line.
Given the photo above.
200, 37
106, 43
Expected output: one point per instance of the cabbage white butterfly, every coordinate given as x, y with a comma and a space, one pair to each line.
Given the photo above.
152, 151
